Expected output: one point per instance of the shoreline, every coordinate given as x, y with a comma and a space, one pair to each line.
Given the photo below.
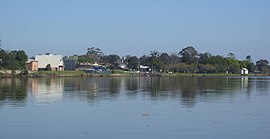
52, 74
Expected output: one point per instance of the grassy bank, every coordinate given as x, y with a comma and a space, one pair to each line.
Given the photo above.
58, 74
201, 74
118, 73
75, 74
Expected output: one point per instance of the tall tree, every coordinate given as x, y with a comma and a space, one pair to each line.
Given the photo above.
155, 63
233, 65
3, 54
154, 54
145, 60
247, 63
219, 62
94, 54
262, 65
204, 58
165, 58
93, 50
132, 62
10, 62
174, 59
231, 56
13, 60
113, 60
188, 55
21, 57
248, 58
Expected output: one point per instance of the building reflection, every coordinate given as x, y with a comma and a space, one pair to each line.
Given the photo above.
187, 90
92, 89
46, 90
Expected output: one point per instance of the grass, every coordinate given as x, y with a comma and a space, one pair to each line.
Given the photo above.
200, 74
119, 73
59, 73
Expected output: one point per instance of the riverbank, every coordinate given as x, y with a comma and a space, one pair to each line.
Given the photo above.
76, 74
117, 74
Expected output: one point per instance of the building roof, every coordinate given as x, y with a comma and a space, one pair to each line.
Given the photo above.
52, 59
70, 58
31, 60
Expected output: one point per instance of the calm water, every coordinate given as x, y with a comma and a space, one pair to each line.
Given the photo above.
135, 108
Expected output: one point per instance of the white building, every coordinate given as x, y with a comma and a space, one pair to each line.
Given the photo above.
244, 71
56, 61
144, 68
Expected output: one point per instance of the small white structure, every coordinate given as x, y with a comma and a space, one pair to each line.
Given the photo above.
244, 71
56, 61
144, 68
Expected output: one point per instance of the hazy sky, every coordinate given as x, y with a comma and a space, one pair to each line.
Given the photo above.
136, 27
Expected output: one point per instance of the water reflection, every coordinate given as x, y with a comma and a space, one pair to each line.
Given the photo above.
187, 90
46, 90
13, 91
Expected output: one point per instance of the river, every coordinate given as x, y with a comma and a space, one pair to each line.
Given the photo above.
135, 108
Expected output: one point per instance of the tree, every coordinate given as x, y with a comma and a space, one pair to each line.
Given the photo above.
94, 51
251, 67
188, 54
84, 59
231, 56
165, 58
145, 60
13, 60
204, 58
21, 57
247, 63
10, 62
219, 62
154, 54
206, 68
113, 61
132, 62
93, 54
3, 54
233, 65
262, 65
248, 58
155, 63
180, 67
174, 59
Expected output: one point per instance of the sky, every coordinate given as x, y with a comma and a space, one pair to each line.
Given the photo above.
136, 27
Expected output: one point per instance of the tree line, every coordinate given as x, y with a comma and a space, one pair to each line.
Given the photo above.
188, 60
13, 60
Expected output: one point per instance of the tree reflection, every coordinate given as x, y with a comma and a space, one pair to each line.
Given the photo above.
13, 91
132, 84
188, 90
262, 86
92, 89
114, 86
